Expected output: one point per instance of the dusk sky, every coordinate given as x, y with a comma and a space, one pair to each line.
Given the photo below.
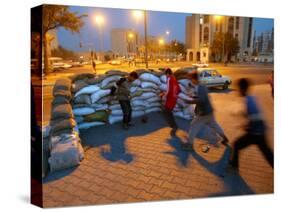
158, 23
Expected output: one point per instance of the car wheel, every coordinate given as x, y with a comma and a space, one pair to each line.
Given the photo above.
225, 86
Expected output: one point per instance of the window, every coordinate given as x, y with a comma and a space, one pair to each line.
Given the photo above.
206, 19
250, 32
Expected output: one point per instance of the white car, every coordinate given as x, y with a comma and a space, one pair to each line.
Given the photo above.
115, 62
212, 78
201, 65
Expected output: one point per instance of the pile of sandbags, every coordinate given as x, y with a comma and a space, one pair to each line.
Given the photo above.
65, 147
93, 105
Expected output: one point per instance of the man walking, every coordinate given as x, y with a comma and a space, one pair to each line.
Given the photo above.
123, 96
203, 113
170, 100
255, 128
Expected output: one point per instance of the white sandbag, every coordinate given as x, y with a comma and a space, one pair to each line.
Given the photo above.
183, 89
138, 108
87, 125
137, 114
134, 89
163, 87
136, 83
153, 104
181, 102
147, 95
63, 156
72, 139
138, 98
99, 107
110, 79
189, 110
104, 100
114, 119
150, 90
116, 112
184, 82
150, 78
114, 107
153, 99
163, 79
88, 90
136, 103
99, 94
113, 102
184, 96
83, 111
154, 109
149, 85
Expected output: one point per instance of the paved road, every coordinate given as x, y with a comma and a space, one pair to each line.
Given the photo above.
146, 164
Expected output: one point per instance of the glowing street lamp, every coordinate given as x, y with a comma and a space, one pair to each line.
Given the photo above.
131, 35
167, 32
161, 41
99, 20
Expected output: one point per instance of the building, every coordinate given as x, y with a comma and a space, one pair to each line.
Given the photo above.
124, 42
201, 31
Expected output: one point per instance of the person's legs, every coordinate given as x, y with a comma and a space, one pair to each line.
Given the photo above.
124, 107
195, 126
212, 123
168, 114
129, 112
267, 152
240, 144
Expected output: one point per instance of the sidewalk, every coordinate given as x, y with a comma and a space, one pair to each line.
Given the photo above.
145, 163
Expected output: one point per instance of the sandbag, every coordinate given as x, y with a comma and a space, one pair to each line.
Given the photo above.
136, 83
154, 99
78, 85
153, 109
110, 85
95, 81
83, 111
134, 89
63, 156
60, 100
82, 76
136, 103
46, 131
136, 93
153, 104
163, 79
107, 80
101, 107
116, 112
62, 125
87, 125
62, 111
99, 94
149, 85
99, 116
82, 99
79, 119
183, 116
138, 108
184, 96
88, 90
147, 95
62, 84
116, 72
113, 119
163, 87
150, 78
137, 114
114, 107
62, 93
72, 139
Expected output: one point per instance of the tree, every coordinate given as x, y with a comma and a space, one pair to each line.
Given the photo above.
226, 40
55, 16
64, 53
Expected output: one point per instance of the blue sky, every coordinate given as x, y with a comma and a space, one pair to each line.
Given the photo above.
158, 23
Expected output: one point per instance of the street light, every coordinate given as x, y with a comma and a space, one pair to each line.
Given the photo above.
99, 20
167, 32
138, 14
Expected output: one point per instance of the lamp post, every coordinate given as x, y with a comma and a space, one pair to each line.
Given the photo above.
138, 14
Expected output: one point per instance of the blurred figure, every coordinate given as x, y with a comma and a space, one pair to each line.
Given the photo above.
170, 100
203, 113
271, 82
255, 128
123, 96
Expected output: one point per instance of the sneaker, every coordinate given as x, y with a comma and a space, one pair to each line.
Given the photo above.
187, 146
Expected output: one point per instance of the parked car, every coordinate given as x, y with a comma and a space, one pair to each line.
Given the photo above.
201, 65
212, 78
114, 62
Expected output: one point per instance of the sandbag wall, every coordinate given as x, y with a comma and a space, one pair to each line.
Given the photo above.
64, 146
93, 105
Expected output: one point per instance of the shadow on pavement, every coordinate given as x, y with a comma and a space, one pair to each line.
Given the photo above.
58, 174
215, 90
